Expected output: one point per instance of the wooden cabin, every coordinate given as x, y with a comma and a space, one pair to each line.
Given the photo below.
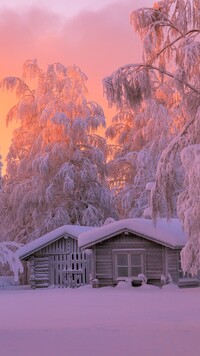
56, 260
136, 248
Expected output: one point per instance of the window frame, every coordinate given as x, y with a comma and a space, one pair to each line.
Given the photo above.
129, 252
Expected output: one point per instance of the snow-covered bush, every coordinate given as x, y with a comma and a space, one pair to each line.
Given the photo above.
9, 258
166, 279
142, 277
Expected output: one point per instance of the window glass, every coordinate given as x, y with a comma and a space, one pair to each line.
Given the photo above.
122, 271
136, 260
122, 260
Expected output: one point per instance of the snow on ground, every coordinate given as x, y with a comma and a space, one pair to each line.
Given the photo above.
120, 321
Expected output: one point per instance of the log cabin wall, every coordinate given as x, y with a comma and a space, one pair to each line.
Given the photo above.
156, 266
59, 264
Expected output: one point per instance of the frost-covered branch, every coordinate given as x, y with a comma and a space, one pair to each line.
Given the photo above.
131, 84
17, 84
170, 44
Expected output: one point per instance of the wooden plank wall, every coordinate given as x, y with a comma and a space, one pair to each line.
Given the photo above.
103, 260
172, 260
60, 264
69, 270
62, 245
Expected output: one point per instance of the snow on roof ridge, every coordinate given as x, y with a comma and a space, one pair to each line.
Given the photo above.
166, 232
31, 247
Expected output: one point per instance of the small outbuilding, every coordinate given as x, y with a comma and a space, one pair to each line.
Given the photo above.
56, 260
132, 248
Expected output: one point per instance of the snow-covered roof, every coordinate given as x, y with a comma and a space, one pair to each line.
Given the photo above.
72, 231
168, 233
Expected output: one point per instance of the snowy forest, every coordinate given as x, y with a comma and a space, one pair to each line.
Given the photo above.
61, 169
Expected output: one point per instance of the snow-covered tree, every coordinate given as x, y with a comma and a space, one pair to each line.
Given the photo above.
56, 164
170, 32
9, 258
1, 178
140, 136
150, 116
189, 207
177, 38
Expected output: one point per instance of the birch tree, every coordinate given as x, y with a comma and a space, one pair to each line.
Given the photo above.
56, 165
150, 116
1, 178
171, 54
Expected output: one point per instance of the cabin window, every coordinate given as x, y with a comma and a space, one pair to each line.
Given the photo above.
128, 263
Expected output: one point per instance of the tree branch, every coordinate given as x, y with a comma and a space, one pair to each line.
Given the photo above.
173, 42
169, 74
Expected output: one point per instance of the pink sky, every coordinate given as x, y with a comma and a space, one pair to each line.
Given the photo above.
96, 36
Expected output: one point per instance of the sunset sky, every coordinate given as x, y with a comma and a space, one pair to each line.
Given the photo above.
95, 35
